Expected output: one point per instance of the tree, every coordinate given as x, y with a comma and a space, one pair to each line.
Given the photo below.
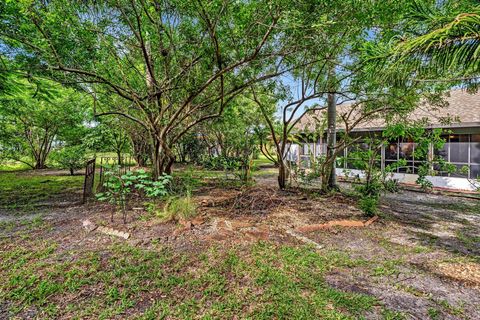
175, 63
329, 69
109, 135
70, 157
36, 118
441, 45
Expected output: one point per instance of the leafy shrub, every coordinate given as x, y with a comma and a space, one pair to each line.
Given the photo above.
71, 158
184, 183
239, 166
391, 185
369, 204
119, 188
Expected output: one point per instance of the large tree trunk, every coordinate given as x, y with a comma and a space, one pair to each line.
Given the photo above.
40, 165
142, 149
330, 177
162, 158
119, 158
282, 175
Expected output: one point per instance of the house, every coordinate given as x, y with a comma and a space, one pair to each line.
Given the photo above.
460, 119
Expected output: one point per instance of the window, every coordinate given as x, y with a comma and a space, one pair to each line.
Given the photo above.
460, 172
443, 153
353, 157
391, 151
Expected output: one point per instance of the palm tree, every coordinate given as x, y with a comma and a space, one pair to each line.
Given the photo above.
447, 47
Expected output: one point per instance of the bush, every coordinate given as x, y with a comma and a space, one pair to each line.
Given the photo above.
241, 167
71, 158
184, 183
119, 188
369, 205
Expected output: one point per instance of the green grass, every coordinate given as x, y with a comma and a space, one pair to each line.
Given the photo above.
262, 161
26, 191
13, 166
263, 281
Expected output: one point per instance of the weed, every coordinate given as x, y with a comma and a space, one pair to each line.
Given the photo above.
178, 208
433, 313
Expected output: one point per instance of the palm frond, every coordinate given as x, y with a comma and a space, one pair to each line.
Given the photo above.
450, 49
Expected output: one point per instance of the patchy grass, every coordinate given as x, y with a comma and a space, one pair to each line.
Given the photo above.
470, 207
51, 269
263, 281
25, 192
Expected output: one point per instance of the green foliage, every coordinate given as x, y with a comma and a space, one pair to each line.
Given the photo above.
168, 66
424, 140
110, 134
366, 157
369, 204
448, 43
118, 188
71, 158
238, 166
185, 182
34, 118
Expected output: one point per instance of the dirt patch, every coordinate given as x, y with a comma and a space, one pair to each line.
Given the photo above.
337, 223
416, 296
466, 272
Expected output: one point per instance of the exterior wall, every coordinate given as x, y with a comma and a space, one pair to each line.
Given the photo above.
452, 183
293, 152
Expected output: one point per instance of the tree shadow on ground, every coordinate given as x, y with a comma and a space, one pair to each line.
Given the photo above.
445, 222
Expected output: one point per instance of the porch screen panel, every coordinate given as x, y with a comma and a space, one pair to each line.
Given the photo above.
474, 171
459, 148
459, 145
475, 156
405, 151
475, 149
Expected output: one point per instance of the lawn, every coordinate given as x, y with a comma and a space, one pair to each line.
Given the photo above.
26, 190
262, 281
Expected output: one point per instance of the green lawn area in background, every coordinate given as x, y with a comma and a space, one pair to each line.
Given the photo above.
262, 161
13, 166
25, 190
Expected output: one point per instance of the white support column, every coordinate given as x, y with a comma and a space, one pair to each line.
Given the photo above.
430, 155
298, 155
382, 155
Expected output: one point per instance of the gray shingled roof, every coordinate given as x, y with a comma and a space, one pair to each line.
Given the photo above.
462, 110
